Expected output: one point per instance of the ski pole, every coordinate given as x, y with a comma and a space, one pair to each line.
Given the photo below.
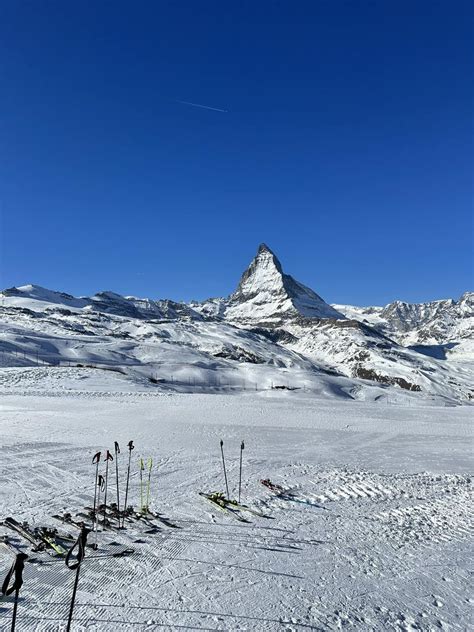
16, 570
223, 465
96, 459
242, 446
149, 465
108, 457
142, 467
130, 448
100, 488
81, 549
117, 452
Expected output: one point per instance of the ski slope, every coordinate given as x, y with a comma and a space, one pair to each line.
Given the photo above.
375, 533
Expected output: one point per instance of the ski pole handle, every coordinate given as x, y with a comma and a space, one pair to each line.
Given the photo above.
131, 446
108, 457
17, 571
96, 458
117, 447
81, 549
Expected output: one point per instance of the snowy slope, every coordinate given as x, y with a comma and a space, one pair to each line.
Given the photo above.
374, 534
374, 528
169, 354
272, 331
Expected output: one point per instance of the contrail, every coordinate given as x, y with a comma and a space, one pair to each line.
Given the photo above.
199, 105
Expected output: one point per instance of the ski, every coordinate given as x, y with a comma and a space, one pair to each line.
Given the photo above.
218, 500
144, 519
130, 515
162, 519
51, 540
241, 507
35, 537
111, 512
67, 518
273, 487
7, 542
54, 534
288, 493
105, 525
38, 544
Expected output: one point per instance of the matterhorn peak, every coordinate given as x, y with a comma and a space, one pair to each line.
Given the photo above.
265, 292
264, 248
264, 271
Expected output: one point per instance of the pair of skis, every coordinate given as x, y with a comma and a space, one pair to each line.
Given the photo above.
40, 539
221, 502
232, 507
225, 503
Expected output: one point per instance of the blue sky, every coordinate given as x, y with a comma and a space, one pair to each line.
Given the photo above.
346, 146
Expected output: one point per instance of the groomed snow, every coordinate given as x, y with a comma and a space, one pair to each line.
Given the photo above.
376, 535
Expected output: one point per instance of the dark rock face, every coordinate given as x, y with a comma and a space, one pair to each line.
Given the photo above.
370, 374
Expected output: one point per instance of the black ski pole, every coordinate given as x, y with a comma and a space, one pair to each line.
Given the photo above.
242, 446
223, 465
81, 549
108, 457
130, 448
117, 452
100, 488
96, 459
16, 570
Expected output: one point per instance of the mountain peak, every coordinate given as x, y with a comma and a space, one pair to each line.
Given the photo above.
264, 271
264, 248
265, 291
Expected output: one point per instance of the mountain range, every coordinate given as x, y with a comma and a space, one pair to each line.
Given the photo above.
272, 332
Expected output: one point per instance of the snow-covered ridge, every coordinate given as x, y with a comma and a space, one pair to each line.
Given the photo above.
441, 322
271, 331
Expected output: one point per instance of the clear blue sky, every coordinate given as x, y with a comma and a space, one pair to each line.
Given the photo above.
346, 146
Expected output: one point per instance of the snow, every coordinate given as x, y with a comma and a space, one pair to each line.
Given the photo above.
272, 331
447, 323
361, 413
374, 536
265, 294
183, 354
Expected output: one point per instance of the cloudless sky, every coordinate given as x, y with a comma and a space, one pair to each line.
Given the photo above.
345, 145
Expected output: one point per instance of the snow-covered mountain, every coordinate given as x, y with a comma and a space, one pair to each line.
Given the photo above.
272, 331
443, 328
266, 294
